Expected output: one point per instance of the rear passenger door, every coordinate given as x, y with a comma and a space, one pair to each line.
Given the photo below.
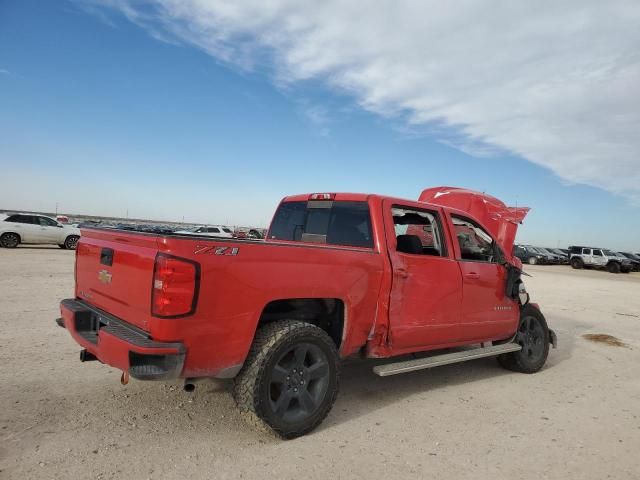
487, 313
426, 291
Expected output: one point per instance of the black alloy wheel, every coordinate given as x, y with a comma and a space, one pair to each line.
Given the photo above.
10, 240
289, 380
298, 382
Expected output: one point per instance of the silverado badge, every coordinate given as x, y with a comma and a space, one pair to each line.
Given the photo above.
104, 276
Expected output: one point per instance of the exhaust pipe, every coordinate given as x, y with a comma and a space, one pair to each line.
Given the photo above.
190, 384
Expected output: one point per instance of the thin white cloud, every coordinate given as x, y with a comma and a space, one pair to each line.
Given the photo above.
557, 83
317, 116
4, 71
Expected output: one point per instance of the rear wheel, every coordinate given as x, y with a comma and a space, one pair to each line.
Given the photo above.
10, 240
533, 337
71, 242
290, 378
613, 267
577, 263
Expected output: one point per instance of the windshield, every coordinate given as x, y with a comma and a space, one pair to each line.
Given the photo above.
227, 230
609, 253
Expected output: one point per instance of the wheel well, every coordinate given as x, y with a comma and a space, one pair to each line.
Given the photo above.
326, 313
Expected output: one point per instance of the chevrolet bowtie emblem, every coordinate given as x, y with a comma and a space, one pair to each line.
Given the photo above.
104, 276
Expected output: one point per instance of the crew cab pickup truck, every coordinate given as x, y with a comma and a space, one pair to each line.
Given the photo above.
338, 275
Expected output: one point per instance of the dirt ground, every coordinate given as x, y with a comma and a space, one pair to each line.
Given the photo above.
577, 418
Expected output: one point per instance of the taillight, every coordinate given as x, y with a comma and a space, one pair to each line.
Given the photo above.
175, 287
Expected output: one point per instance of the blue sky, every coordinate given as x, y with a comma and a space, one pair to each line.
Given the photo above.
106, 109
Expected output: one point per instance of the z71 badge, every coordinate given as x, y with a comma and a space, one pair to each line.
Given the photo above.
213, 250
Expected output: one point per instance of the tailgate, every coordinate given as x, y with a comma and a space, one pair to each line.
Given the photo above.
114, 272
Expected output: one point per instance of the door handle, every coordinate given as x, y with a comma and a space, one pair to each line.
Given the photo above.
472, 275
401, 272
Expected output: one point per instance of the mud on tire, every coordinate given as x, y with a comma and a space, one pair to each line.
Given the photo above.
289, 380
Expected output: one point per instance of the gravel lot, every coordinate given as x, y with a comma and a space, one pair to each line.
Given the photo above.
578, 418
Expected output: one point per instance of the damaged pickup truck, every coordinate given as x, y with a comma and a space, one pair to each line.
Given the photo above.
339, 274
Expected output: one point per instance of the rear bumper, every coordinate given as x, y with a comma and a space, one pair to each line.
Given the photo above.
123, 346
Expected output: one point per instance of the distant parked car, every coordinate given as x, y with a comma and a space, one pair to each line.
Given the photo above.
529, 254
552, 257
564, 255
36, 229
634, 259
208, 231
585, 257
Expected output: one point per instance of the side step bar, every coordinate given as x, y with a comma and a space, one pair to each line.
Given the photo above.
444, 359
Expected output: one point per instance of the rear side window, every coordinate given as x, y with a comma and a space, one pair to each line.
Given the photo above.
333, 223
213, 230
22, 219
421, 224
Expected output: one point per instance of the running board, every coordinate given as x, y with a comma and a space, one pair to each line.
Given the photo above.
444, 359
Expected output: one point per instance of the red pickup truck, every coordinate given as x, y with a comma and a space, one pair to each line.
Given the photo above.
338, 274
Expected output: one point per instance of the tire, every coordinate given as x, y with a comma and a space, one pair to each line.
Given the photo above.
62, 246
71, 242
577, 263
533, 336
290, 378
9, 240
533, 260
613, 267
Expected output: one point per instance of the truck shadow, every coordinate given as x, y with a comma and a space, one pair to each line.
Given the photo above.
362, 392
156, 409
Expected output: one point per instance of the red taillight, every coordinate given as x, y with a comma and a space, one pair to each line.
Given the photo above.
175, 287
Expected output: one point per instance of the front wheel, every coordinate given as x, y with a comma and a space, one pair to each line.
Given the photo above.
71, 242
289, 380
533, 336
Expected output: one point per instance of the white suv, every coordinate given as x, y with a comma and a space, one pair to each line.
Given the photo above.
36, 229
209, 231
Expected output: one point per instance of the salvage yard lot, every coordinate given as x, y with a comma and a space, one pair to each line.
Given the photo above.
578, 418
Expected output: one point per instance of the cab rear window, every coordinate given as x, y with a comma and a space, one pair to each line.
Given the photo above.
328, 222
